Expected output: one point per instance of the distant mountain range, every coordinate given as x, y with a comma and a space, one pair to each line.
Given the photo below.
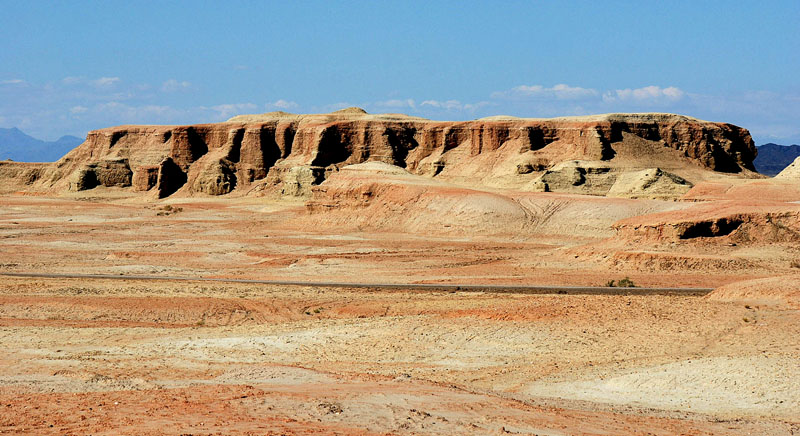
773, 158
16, 145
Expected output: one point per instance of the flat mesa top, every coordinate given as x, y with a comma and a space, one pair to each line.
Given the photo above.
354, 113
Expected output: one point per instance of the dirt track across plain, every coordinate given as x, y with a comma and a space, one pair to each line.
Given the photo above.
511, 289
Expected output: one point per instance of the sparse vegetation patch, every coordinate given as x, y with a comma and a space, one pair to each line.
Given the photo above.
168, 210
622, 283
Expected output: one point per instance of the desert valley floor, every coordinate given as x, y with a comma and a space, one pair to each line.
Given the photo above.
103, 356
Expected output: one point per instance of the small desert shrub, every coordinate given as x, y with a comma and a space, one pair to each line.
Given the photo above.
168, 210
795, 263
626, 283
622, 283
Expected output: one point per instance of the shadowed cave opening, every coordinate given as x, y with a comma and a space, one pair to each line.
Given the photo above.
170, 178
334, 147
197, 144
401, 141
711, 229
116, 136
236, 149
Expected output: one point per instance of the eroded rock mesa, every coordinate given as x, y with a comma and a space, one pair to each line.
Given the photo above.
285, 153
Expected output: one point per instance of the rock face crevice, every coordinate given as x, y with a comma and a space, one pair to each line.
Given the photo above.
170, 178
294, 152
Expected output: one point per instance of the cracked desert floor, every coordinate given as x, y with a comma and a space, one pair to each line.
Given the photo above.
134, 356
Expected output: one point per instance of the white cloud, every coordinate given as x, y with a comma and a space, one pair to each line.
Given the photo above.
102, 82
648, 94
281, 105
173, 85
673, 93
475, 106
333, 107
590, 96
559, 92
780, 133
12, 82
396, 104
125, 112
105, 82
78, 109
454, 105
446, 105
226, 111
71, 80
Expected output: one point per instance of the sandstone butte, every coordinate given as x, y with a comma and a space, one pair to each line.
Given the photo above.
628, 155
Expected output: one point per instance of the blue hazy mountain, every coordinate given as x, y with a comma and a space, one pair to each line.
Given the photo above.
16, 145
773, 158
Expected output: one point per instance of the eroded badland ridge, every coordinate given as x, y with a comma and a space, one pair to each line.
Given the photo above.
252, 153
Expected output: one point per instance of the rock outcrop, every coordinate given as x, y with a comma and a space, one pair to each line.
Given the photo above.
595, 178
217, 178
16, 176
107, 172
649, 183
732, 222
145, 178
279, 152
792, 172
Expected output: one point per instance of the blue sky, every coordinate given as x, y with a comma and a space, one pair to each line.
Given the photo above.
69, 67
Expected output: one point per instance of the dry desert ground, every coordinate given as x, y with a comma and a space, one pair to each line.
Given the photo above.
135, 356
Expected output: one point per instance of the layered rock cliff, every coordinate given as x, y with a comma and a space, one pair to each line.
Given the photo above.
288, 153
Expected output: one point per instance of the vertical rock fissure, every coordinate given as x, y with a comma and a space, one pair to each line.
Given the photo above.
234, 152
331, 148
197, 144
